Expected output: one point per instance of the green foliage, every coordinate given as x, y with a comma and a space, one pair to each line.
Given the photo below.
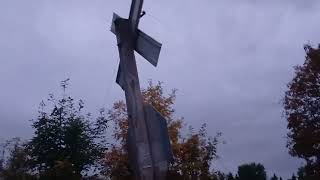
193, 154
66, 142
302, 111
16, 166
252, 171
61, 170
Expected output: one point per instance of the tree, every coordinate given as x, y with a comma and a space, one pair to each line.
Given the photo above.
236, 177
15, 166
230, 177
66, 142
294, 177
301, 174
192, 153
274, 177
252, 171
302, 111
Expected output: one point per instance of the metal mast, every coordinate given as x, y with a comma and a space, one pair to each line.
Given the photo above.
148, 140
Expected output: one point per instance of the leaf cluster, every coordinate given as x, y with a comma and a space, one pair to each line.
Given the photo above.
193, 153
302, 111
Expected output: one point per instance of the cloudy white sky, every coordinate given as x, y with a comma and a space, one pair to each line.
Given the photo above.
229, 59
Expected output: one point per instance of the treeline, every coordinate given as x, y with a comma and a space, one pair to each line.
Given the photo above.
69, 143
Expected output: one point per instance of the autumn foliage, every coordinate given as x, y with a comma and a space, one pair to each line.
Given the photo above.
302, 111
193, 153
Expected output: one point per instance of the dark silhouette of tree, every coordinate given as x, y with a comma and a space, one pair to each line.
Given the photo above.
293, 177
274, 177
192, 153
252, 171
230, 177
67, 142
16, 165
302, 111
302, 174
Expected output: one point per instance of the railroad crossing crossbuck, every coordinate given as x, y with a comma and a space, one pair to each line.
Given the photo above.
148, 140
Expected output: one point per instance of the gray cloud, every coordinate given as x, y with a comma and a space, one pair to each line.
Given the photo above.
230, 60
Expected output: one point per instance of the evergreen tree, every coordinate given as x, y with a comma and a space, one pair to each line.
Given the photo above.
294, 177
252, 171
15, 167
230, 177
67, 142
274, 177
302, 174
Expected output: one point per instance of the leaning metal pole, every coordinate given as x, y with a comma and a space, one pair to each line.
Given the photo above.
149, 147
140, 149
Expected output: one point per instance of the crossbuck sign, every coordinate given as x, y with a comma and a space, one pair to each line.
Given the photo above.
148, 140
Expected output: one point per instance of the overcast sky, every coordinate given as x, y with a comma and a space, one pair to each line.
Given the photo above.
229, 59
